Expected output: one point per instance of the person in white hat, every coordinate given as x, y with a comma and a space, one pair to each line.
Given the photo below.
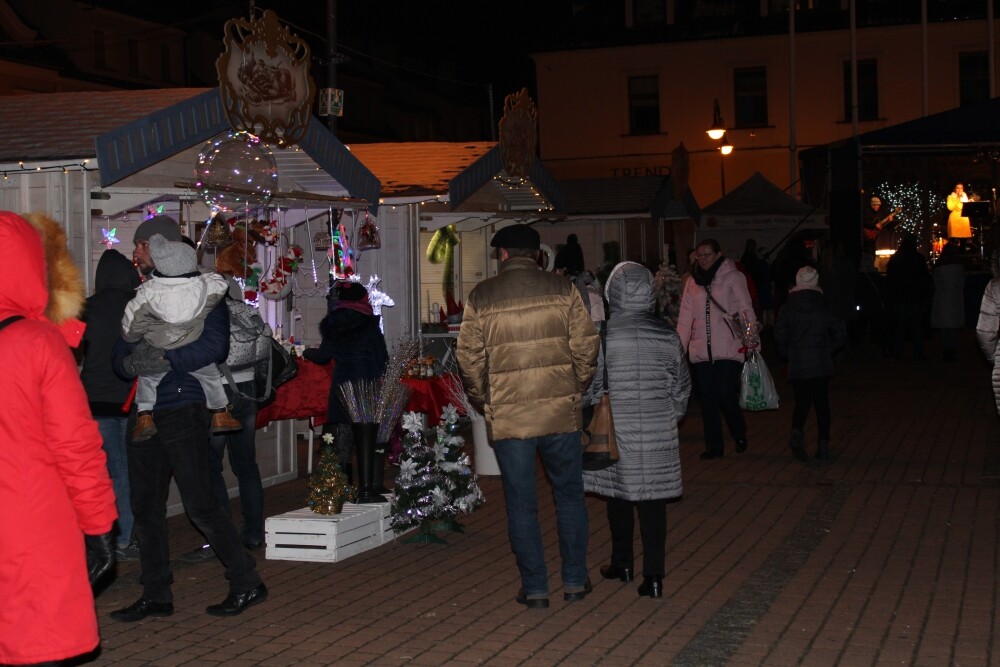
808, 334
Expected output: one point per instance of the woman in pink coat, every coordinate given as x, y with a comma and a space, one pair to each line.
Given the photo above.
716, 289
54, 484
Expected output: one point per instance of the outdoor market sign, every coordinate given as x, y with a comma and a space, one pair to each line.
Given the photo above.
264, 80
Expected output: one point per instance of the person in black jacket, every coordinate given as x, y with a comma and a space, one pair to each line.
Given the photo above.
353, 339
910, 287
115, 282
807, 334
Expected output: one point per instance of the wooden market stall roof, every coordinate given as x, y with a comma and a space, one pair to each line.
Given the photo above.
419, 168
128, 131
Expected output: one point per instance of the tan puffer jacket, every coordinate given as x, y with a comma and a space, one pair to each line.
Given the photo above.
527, 351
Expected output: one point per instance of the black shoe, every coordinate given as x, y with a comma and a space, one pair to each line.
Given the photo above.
531, 603
253, 544
204, 552
237, 603
142, 608
651, 587
623, 574
741, 445
575, 596
710, 454
128, 552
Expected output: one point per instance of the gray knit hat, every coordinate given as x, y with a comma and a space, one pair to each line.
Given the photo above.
160, 224
172, 258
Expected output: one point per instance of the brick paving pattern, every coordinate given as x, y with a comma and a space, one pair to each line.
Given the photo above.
886, 555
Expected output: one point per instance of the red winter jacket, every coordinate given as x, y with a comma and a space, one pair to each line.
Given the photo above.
54, 484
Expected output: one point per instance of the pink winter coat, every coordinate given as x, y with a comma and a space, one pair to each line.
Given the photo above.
54, 484
729, 288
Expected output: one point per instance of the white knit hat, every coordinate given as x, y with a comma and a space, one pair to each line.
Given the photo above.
806, 278
172, 258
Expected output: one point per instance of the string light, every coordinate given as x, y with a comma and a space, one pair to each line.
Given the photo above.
64, 168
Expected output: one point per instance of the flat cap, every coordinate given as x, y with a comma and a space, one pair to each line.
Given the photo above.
516, 236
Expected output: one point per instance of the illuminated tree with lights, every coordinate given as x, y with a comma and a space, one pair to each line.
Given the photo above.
911, 199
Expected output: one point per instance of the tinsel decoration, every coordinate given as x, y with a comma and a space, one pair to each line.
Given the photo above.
328, 487
360, 399
394, 394
667, 287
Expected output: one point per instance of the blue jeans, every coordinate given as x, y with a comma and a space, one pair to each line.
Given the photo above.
562, 459
243, 461
113, 430
180, 448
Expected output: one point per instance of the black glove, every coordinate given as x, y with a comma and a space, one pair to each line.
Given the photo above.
100, 555
146, 360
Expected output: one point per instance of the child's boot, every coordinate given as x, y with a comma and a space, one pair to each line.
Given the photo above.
224, 422
145, 428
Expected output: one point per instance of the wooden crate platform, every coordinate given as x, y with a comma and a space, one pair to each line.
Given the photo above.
304, 535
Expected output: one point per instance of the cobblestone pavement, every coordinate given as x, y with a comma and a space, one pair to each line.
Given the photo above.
886, 555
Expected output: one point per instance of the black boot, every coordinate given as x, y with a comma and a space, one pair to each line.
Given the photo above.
797, 445
364, 447
823, 450
378, 477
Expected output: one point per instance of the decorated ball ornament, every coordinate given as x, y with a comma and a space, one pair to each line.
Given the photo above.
236, 172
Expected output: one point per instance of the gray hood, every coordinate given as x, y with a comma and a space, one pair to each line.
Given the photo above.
630, 289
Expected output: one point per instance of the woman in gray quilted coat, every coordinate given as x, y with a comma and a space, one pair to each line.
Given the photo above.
649, 384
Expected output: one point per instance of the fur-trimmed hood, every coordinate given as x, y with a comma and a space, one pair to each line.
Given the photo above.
43, 281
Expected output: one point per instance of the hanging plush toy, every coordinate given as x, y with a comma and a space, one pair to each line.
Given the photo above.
279, 285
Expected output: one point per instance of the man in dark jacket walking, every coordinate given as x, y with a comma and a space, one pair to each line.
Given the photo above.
179, 447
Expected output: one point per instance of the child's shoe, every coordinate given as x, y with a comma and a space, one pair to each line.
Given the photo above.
145, 428
224, 422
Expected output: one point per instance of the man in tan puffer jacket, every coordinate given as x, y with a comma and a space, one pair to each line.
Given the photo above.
528, 351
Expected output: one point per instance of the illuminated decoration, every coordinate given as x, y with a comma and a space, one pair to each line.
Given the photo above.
909, 198
368, 236
236, 172
109, 237
441, 250
378, 299
264, 79
153, 211
340, 254
518, 134
217, 234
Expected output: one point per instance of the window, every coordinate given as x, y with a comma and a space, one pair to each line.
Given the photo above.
750, 93
133, 56
973, 78
867, 90
649, 12
165, 62
644, 104
100, 50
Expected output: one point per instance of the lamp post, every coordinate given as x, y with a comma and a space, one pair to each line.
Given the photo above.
717, 132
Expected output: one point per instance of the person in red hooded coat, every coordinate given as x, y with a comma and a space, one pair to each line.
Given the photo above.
54, 484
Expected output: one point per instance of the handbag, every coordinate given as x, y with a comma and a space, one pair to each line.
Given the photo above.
600, 447
275, 370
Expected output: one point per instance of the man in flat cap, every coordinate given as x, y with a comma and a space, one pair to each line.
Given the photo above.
179, 446
527, 351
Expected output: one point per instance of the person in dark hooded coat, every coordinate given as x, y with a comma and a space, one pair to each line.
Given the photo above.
114, 283
353, 339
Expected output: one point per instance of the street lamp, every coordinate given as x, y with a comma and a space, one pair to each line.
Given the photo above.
717, 132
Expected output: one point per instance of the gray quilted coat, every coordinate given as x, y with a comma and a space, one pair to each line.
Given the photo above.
987, 332
649, 384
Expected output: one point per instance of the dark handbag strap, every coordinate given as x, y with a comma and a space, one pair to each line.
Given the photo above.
708, 290
604, 356
11, 320
224, 367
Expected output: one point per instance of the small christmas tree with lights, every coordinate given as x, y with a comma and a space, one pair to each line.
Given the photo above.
328, 487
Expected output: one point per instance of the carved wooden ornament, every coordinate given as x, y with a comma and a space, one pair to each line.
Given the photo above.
518, 134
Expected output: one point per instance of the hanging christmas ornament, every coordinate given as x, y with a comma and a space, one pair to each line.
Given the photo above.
368, 238
236, 172
279, 285
341, 256
217, 234
441, 250
109, 237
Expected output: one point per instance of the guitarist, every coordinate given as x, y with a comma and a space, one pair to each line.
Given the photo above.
875, 221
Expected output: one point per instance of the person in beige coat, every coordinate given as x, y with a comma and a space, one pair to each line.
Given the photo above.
527, 351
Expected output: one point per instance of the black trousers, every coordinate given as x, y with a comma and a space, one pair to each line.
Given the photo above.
812, 392
652, 528
718, 385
